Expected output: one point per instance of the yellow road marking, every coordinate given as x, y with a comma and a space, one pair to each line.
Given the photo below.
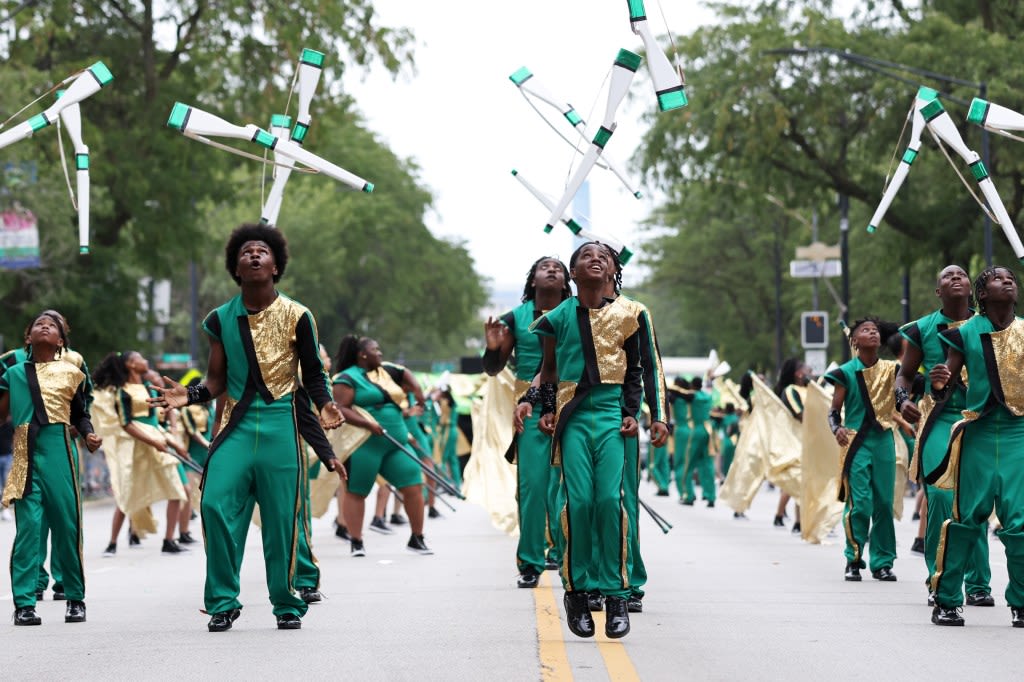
554, 661
616, 660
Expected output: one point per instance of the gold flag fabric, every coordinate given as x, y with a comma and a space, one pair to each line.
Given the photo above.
820, 508
489, 480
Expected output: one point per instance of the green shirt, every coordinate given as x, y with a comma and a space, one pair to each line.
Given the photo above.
924, 334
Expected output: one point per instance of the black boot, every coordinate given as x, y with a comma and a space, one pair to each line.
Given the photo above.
947, 615
577, 614
219, 622
75, 612
852, 573
26, 615
616, 622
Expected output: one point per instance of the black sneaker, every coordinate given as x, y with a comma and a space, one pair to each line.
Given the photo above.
550, 565
778, 522
931, 598
186, 539
1017, 616
75, 612
884, 574
529, 579
917, 546
310, 595
711, 504
635, 604
220, 622
796, 528
416, 544
340, 531
58, 593
616, 622
26, 615
978, 599
172, 547
595, 601
739, 515
398, 520
289, 621
661, 493
434, 514
852, 573
133, 541
40, 595
942, 615
357, 548
686, 503
577, 614
377, 524
111, 550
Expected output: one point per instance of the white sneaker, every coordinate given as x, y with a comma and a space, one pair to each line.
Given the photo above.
6, 515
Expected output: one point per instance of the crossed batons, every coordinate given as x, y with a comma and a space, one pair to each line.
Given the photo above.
669, 89
65, 110
928, 113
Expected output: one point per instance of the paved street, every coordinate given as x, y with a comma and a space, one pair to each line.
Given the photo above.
727, 600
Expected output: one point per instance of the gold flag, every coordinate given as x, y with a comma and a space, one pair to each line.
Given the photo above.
820, 508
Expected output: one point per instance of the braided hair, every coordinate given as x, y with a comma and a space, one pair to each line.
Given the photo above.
982, 282
608, 251
348, 351
56, 318
886, 330
112, 372
529, 290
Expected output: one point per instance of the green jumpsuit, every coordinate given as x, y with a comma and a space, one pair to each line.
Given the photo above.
868, 476
932, 440
537, 482
680, 400
698, 457
46, 400
985, 459
598, 353
730, 432
257, 456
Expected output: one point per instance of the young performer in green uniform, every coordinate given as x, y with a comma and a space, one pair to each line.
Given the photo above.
45, 398
591, 387
985, 459
547, 285
698, 457
379, 388
730, 429
680, 399
864, 386
924, 350
258, 341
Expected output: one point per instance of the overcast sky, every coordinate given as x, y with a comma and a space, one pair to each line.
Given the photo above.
467, 126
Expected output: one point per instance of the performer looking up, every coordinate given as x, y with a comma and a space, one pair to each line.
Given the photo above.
591, 383
924, 349
45, 398
864, 386
985, 459
258, 341
547, 285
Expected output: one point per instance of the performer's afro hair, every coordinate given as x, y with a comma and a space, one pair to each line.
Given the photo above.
249, 232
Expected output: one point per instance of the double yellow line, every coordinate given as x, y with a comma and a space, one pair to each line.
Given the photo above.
554, 658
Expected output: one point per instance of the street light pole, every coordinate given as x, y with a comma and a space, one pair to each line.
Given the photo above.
844, 255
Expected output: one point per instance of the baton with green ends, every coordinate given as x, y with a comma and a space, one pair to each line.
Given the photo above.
71, 120
308, 76
668, 82
431, 474
623, 69
1001, 120
66, 109
198, 124
625, 254
664, 525
527, 82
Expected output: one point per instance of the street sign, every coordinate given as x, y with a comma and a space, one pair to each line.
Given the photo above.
814, 329
810, 269
818, 251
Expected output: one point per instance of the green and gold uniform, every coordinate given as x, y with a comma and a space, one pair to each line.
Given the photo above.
868, 471
46, 400
600, 382
379, 392
257, 456
930, 449
698, 457
198, 419
985, 459
537, 482
680, 399
730, 433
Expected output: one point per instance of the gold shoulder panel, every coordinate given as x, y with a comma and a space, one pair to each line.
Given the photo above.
1008, 349
58, 382
273, 336
880, 380
610, 326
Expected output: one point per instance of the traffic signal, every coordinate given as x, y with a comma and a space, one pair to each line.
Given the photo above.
814, 329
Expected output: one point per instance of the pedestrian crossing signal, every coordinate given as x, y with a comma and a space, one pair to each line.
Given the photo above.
814, 329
